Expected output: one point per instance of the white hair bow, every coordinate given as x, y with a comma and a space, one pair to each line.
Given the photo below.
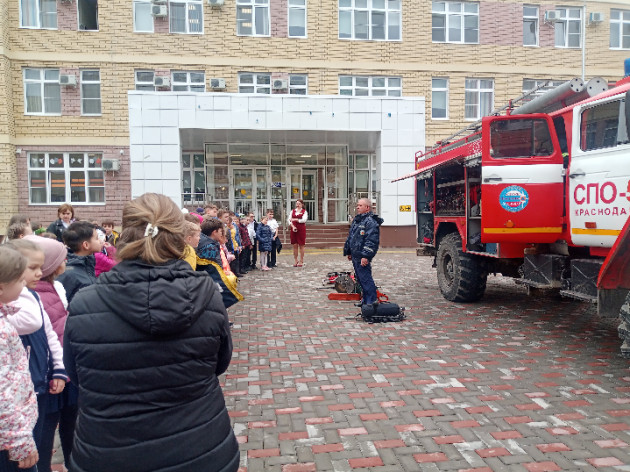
151, 231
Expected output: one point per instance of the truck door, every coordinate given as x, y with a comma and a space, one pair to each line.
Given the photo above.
599, 171
522, 190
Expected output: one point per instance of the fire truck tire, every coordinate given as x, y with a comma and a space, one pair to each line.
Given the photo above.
624, 327
461, 276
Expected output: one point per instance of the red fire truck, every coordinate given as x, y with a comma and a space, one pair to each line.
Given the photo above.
540, 193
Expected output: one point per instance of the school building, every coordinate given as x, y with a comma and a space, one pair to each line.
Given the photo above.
251, 104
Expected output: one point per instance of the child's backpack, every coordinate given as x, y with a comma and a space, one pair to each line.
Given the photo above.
382, 312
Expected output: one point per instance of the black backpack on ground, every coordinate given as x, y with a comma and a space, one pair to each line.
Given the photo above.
382, 312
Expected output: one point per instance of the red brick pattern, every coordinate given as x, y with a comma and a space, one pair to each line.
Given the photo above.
310, 388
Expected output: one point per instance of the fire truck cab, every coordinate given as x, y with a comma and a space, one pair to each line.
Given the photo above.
541, 193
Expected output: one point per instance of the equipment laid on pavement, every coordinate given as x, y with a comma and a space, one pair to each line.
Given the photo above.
382, 312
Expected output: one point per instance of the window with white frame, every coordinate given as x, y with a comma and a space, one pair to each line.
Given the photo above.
252, 17
568, 28
455, 22
439, 98
530, 25
38, 14
362, 174
58, 177
249, 82
361, 86
142, 18
297, 18
620, 29
144, 80
42, 92
186, 16
90, 92
370, 19
479, 98
188, 81
298, 84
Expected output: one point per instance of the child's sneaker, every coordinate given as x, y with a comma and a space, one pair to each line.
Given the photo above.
265, 268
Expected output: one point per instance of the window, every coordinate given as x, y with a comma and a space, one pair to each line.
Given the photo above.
42, 92
439, 99
254, 83
370, 86
38, 14
568, 29
188, 82
252, 17
455, 22
186, 16
194, 178
479, 98
530, 25
90, 92
297, 18
370, 19
58, 177
620, 29
144, 80
604, 126
298, 84
362, 174
142, 18
88, 15
520, 138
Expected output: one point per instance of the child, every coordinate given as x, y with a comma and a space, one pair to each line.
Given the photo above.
265, 242
192, 234
62, 408
18, 230
42, 346
252, 226
246, 244
82, 240
273, 224
18, 402
111, 236
104, 259
209, 246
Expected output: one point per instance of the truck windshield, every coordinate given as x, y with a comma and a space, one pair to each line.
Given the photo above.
520, 138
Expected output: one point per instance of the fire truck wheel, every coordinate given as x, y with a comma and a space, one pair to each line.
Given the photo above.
624, 327
461, 276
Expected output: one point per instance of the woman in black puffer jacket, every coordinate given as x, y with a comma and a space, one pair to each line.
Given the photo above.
146, 345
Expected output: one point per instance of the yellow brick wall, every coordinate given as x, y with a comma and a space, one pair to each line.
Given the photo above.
117, 51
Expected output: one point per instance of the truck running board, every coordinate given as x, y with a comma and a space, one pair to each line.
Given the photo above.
578, 295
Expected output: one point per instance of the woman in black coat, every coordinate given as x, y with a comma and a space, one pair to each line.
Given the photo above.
146, 345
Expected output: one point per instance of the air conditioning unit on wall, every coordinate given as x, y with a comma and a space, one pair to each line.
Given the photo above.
159, 11
552, 16
218, 84
280, 84
215, 3
162, 81
112, 165
68, 80
596, 17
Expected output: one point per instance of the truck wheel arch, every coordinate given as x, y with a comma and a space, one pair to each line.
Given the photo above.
461, 276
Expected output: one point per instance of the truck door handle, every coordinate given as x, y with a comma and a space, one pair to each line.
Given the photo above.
573, 175
492, 179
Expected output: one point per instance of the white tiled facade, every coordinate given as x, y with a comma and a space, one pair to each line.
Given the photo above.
396, 125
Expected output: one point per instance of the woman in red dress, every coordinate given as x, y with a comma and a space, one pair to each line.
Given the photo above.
297, 223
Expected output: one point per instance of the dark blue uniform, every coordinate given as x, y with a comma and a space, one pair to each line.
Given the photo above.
362, 242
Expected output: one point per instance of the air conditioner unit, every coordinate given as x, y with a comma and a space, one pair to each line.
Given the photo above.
280, 84
159, 2
162, 81
215, 3
159, 11
551, 16
68, 80
596, 17
217, 83
111, 165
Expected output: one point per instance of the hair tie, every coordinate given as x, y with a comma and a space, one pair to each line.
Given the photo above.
151, 230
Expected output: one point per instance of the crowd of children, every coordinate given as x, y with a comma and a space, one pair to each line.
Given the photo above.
42, 270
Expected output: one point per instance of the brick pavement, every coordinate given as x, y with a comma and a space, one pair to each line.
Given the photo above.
509, 383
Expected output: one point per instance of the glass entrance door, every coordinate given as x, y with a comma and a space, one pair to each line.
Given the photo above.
250, 190
304, 186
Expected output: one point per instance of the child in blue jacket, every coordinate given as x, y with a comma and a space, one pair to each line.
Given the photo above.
265, 241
